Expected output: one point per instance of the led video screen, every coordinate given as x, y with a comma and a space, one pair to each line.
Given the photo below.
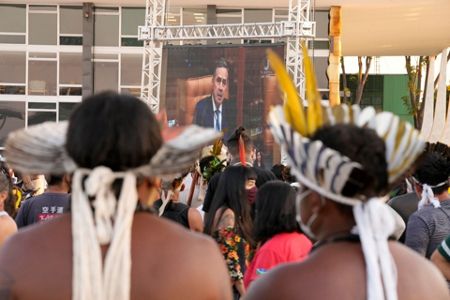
223, 87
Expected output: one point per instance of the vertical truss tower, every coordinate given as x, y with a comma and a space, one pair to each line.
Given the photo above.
154, 33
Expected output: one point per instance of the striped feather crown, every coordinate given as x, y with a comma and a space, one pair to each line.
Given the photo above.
318, 167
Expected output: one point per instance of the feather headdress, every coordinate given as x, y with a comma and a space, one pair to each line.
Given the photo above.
327, 171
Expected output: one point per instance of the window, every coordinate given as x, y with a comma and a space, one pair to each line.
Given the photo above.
320, 67
71, 25
42, 25
12, 72
257, 15
131, 69
106, 27
106, 75
12, 18
132, 17
194, 16
322, 24
70, 68
12, 24
37, 117
229, 16
70, 74
12, 117
66, 109
42, 77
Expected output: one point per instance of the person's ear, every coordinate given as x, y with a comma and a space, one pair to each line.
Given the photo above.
418, 188
3, 197
316, 202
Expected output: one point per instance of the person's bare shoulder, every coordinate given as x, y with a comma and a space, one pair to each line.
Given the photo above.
418, 278
276, 284
23, 249
194, 256
7, 228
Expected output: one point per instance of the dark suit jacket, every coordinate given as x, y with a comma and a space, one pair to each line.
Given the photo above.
204, 114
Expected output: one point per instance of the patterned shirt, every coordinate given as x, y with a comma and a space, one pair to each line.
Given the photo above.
427, 228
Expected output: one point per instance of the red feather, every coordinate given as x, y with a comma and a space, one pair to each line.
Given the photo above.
242, 151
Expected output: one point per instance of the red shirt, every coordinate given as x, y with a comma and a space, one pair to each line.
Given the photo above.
282, 248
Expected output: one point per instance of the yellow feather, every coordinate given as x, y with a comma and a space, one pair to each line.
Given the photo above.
314, 114
293, 108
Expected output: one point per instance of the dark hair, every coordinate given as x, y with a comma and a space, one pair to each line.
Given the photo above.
112, 130
278, 170
275, 211
221, 63
233, 142
433, 169
231, 194
54, 179
361, 145
6, 186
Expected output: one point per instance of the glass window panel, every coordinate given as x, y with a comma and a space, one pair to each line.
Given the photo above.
106, 28
324, 45
42, 78
173, 16
105, 56
12, 117
37, 117
320, 67
11, 89
132, 91
12, 18
281, 12
70, 91
12, 39
65, 109
106, 9
42, 105
225, 19
257, 15
71, 20
12, 67
41, 55
106, 76
131, 42
70, 68
42, 7
71, 40
42, 29
194, 16
131, 69
132, 17
321, 18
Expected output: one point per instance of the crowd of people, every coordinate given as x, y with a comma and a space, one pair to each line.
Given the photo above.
116, 213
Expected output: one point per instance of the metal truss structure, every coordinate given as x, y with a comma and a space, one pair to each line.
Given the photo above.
155, 33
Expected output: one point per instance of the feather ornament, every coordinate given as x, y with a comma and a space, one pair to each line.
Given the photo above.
242, 151
293, 107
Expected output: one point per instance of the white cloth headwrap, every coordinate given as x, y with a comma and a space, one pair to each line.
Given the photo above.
428, 197
91, 280
374, 224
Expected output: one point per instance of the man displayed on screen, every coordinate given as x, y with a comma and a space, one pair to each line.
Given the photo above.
216, 111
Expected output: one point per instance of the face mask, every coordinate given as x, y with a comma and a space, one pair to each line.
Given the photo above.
251, 194
306, 228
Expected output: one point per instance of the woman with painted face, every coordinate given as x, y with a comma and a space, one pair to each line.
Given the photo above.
230, 223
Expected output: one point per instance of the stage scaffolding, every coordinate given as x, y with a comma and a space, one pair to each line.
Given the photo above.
154, 33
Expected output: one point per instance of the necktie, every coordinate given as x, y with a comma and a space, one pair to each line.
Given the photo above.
217, 123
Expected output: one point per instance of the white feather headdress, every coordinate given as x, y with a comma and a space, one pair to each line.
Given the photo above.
327, 171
